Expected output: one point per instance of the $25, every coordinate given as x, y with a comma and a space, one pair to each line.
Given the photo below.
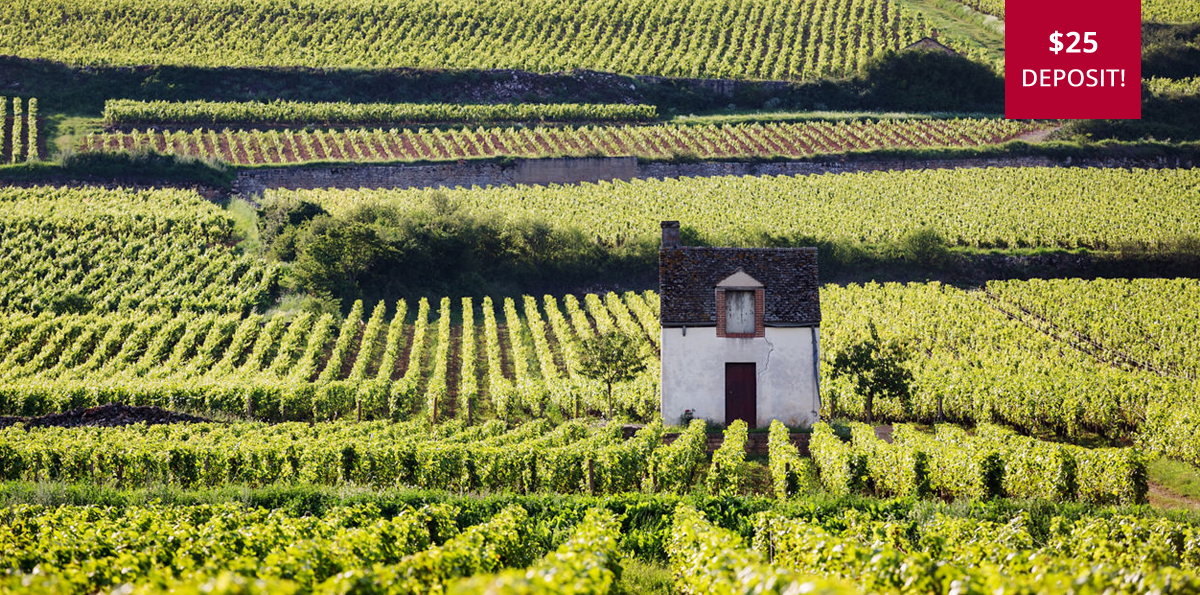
1088, 39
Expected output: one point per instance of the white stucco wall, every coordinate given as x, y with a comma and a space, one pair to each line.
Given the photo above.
693, 373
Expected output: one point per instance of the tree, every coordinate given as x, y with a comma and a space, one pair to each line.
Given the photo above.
611, 358
930, 79
877, 369
333, 255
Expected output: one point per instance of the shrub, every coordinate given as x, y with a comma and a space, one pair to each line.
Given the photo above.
924, 246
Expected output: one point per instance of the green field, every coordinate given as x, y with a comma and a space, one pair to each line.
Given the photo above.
773, 141
1170, 11
985, 208
795, 39
1163, 11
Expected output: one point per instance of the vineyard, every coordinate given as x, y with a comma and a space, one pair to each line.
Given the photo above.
774, 140
533, 457
136, 297
1170, 11
214, 384
96, 250
352, 549
793, 39
19, 138
1139, 325
125, 112
385, 363
476, 413
992, 463
226, 548
1162, 11
992, 207
538, 457
884, 556
992, 7
980, 359
1172, 87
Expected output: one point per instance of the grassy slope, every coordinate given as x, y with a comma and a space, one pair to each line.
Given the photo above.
645, 577
1174, 485
980, 31
63, 133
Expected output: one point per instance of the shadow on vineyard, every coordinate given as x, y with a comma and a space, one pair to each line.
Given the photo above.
381, 250
437, 247
1168, 52
945, 83
141, 168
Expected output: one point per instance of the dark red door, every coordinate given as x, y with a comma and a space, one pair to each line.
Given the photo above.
741, 392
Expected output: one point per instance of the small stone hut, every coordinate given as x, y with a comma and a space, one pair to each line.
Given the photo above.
740, 333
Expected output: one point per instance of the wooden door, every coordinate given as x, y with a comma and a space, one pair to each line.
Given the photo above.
741, 393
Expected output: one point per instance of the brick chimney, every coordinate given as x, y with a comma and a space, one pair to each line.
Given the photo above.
670, 234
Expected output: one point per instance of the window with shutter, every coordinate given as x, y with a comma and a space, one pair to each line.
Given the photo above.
739, 312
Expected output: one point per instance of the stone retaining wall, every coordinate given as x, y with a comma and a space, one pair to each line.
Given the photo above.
574, 171
441, 175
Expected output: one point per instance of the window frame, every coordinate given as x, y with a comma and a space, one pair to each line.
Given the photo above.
759, 306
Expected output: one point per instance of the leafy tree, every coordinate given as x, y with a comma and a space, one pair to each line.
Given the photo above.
931, 79
332, 256
611, 358
877, 369
436, 245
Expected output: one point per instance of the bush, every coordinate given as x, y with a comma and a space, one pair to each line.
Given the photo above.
925, 80
335, 400
282, 211
1170, 51
791, 474
925, 245
878, 370
297, 404
382, 250
147, 165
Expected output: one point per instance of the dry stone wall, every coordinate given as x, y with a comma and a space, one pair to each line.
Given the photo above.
573, 171
441, 175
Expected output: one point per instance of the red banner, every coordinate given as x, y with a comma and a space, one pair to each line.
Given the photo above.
1069, 59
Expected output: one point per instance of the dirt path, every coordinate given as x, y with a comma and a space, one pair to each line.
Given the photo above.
884, 433
110, 415
1163, 497
1038, 136
959, 22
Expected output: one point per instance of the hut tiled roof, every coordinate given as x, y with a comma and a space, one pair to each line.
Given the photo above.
688, 276
930, 43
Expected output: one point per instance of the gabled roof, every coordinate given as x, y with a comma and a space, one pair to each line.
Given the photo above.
740, 280
688, 277
929, 43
